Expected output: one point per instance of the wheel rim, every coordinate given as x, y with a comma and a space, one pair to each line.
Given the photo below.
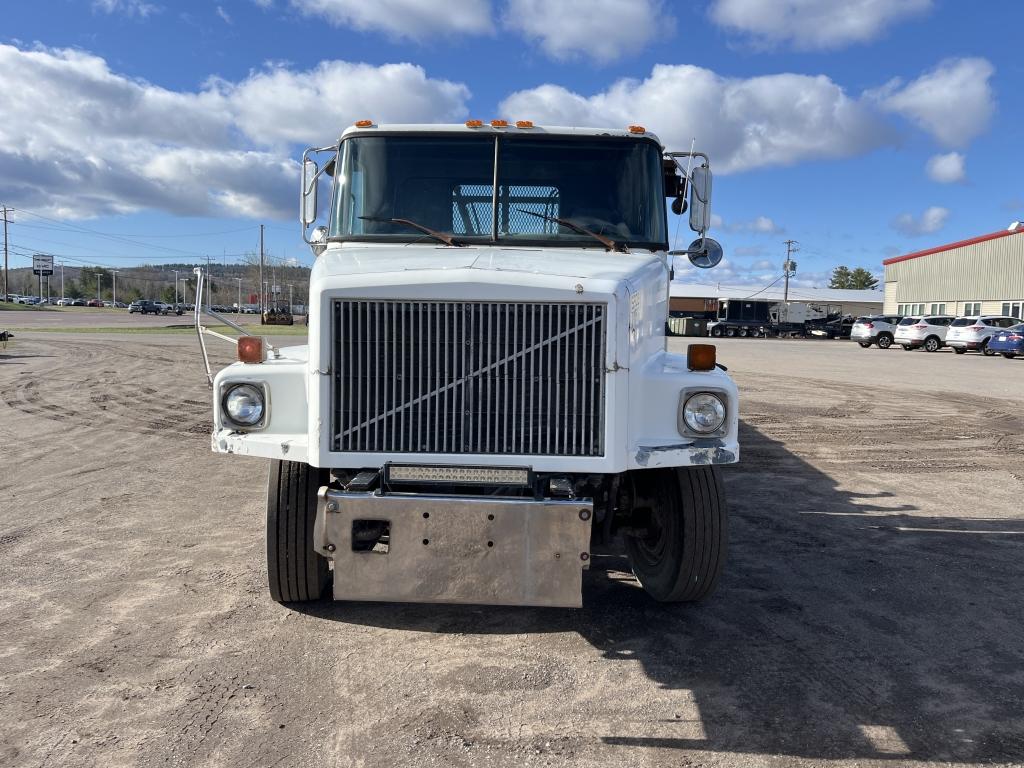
931, 345
884, 342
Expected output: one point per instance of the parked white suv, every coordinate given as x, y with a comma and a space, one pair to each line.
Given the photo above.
875, 329
928, 331
974, 332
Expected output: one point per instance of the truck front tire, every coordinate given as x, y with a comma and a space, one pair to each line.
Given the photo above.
679, 557
296, 573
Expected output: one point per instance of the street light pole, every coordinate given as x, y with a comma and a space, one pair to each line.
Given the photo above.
175, 287
62, 279
239, 305
98, 287
114, 301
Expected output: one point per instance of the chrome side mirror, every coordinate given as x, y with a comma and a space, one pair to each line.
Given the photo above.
705, 253
307, 212
318, 240
700, 199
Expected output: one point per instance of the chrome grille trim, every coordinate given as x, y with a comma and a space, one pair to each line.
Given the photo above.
455, 377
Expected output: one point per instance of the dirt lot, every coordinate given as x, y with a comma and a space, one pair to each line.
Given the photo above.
871, 612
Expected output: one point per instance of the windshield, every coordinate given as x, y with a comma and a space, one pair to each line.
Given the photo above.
610, 186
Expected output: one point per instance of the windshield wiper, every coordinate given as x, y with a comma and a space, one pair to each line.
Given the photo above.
439, 236
608, 243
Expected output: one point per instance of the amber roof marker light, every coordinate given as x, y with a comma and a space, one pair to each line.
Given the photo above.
524, 123
474, 123
499, 123
637, 129
364, 123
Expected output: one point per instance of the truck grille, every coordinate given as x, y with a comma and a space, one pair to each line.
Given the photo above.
468, 377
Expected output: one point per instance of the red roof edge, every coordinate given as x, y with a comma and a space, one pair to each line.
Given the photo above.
951, 246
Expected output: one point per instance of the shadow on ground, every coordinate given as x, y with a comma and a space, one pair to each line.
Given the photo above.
845, 627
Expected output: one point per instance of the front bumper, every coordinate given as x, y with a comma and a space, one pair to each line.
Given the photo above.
456, 549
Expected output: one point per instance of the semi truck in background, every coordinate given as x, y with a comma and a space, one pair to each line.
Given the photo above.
769, 318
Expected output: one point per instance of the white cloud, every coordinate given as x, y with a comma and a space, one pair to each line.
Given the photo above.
759, 225
411, 19
602, 30
814, 24
743, 123
954, 102
138, 8
77, 139
947, 169
932, 220
224, 14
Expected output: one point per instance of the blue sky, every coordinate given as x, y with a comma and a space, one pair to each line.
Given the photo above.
862, 128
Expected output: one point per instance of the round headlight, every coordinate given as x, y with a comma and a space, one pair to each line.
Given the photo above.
244, 405
704, 412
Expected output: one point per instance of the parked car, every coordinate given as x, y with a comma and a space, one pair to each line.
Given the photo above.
147, 307
928, 331
65, 302
119, 305
975, 331
875, 329
1010, 342
79, 303
177, 309
95, 303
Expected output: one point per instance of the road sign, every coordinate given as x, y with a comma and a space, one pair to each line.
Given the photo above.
42, 264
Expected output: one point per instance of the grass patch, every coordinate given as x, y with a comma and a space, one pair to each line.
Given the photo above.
9, 306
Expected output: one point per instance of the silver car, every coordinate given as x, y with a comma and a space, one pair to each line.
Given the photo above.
875, 329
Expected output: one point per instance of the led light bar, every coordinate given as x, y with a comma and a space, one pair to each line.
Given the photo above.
437, 473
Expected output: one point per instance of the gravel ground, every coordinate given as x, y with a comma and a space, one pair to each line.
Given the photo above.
871, 611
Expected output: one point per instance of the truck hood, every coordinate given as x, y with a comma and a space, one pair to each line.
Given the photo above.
359, 261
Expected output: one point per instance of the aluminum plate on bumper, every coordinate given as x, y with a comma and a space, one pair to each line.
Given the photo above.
456, 549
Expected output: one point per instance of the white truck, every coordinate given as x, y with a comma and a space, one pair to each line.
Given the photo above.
486, 396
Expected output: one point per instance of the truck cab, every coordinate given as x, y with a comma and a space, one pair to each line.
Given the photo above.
486, 398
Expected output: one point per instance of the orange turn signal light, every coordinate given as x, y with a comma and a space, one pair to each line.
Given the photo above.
701, 357
250, 349
637, 129
524, 123
499, 123
474, 123
364, 123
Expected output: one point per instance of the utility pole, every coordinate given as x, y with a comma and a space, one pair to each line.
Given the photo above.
175, 287
790, 266
113, 302
62, 279
261, 268
6, 288
97, 286
209, 286
291, 298
239, 305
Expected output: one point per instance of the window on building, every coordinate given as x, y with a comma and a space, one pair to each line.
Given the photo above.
938, 309
919, 309
1012, 309
972, 308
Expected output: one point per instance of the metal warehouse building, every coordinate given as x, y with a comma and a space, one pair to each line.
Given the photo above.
983, 275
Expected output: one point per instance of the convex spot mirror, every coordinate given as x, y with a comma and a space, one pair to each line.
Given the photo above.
309, 187
705, 253
700, 199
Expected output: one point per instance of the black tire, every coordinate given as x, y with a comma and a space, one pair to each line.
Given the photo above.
1009, 355
865, 344
681, 558
743, 333
907, 347
932, 344
296, 572
884, 341
985, 350
730, 332
959, 350
716, 332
